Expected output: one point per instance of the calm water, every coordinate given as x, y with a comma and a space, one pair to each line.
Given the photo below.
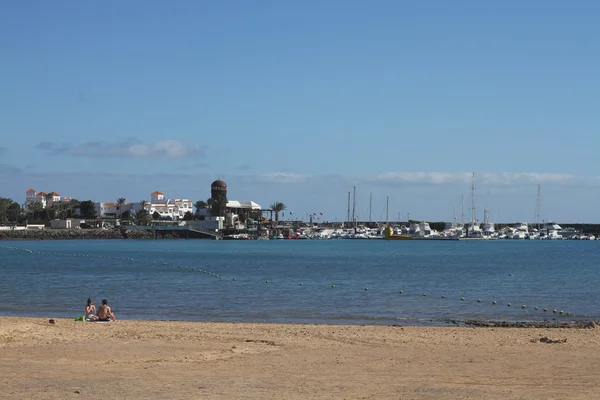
562, 275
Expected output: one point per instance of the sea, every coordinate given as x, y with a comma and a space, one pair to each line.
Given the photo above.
305, 281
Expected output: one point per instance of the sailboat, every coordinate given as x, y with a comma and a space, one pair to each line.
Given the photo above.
388, 233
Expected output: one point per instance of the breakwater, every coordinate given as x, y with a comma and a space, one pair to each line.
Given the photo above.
74, 234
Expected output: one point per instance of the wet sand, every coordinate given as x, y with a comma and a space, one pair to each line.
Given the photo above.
192, 360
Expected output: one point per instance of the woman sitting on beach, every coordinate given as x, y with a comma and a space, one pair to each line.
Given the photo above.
90, 311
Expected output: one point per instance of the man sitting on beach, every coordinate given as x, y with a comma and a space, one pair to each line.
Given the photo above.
105, 313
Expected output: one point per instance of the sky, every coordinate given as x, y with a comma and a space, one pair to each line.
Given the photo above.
302, 101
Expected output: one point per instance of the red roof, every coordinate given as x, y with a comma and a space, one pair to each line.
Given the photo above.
157, 192
54, 194
31, 191
41, 194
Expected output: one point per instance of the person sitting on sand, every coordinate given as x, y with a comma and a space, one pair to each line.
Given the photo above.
105, 313
90, 311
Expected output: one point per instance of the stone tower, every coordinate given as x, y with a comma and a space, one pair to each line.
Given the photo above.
218, 190
218, 194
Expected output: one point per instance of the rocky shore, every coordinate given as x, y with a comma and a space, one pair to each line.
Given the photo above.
71, 234
540, 324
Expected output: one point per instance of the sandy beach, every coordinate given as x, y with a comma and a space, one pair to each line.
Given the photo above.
191, 360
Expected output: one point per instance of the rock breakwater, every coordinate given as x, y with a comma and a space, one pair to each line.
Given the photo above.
75, 234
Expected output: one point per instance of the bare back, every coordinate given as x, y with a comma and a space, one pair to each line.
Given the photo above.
104, 312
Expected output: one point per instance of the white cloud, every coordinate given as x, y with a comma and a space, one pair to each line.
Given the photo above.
434, 178
511, 178
129, 148
486, 178
278, 177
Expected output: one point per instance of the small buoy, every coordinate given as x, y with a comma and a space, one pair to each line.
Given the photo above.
554, 311
366, 288
509, 305
561, 312
332, 285
234, 279
545, 310
479, 300
535, 308
462, 299
523, 306
443, 297
494, 302
301, 284
401, 292
266, 281
424, 294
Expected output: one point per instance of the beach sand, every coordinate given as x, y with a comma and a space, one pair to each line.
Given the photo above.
192, 360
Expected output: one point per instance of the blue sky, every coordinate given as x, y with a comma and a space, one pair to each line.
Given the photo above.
300, 101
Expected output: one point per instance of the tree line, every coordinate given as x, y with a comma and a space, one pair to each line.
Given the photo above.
11, 211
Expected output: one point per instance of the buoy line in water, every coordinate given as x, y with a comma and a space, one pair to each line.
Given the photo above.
217, 276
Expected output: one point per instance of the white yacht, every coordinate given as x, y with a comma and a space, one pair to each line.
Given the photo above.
521, 231
488, 228
551, 231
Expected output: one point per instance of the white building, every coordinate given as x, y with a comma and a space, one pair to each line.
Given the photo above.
69, 223
232, 211
173, 209
109, 209
45, 199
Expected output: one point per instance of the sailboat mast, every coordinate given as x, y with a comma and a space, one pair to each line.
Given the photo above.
354, 206
462, 209
454, 214
473, 201
538, 208
348, 219
370, 205
387, 203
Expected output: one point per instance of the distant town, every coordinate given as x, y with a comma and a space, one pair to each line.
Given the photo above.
221, 218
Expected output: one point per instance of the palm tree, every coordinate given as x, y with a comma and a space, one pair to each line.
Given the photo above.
143, 204
199, 205
121, 201
4, 204
35, 208
142, 217
49, 198
277, 207
73, 204
218, 206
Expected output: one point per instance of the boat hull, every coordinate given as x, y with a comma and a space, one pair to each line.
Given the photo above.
398, 237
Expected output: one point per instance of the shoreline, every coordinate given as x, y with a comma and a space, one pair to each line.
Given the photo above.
448, 323
190, 360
